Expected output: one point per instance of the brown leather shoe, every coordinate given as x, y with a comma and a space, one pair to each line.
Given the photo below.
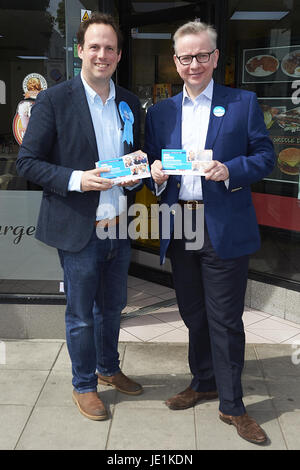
189, 398
121, 382
246, 427
90, 405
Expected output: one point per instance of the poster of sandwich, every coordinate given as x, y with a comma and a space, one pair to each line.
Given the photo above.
269, 65
282, 119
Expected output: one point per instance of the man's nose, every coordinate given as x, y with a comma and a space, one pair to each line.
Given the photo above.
101, 52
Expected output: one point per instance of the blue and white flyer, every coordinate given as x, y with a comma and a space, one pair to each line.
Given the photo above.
185, 162
130, 167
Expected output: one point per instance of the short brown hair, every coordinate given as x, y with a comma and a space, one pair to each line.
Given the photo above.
99, 18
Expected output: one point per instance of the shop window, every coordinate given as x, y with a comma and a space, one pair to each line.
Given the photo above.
37, 51
263, 56
29, 63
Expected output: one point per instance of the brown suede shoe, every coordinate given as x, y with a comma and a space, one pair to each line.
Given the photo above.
121, 382
246, 427
90, 405
189, 398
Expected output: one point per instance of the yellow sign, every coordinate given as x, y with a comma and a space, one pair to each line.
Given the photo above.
85, 15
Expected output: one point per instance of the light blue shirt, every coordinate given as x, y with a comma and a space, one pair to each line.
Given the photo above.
195, 120
108, 132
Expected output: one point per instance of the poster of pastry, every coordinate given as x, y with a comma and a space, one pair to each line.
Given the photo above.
269, 65
282, 119
32, 85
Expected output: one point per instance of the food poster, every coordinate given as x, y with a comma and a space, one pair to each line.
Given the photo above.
32, 85
282, 119
269, 65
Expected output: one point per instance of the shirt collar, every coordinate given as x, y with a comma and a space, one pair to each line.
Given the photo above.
92, 94
207, 92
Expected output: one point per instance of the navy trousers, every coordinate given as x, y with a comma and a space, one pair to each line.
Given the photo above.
210, 294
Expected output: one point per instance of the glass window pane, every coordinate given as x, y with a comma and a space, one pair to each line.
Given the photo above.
263, 56
32, 57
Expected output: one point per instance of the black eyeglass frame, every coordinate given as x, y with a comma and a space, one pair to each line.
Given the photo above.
195, 56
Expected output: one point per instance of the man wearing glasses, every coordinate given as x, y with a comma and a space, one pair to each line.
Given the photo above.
210, 282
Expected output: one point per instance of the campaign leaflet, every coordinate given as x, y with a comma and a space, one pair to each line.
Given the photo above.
132, 166
185, 162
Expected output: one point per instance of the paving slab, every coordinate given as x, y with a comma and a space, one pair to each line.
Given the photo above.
13, 420
149, 358
157, 389
285, 393
37, 411
32, 355
256, 393
149, 429
289, 422
63, 361
62, 428
277, 360
213, 434
21, 387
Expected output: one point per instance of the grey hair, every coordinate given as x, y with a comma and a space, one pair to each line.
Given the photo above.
195, 27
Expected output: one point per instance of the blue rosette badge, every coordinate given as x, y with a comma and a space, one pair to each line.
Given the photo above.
128, 119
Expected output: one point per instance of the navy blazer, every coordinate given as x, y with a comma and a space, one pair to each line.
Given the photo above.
239, 139
60, 138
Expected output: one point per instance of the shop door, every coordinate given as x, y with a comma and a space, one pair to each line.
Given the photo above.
148, 27
147, 66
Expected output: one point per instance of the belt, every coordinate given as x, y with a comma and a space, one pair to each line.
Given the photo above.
107, 222
191, 204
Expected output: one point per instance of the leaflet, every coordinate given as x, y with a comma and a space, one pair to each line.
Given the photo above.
185, 162
132, 166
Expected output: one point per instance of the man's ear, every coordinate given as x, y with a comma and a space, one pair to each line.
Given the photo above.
79, 51
216, 58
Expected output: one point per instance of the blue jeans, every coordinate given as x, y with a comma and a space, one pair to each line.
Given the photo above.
95, 282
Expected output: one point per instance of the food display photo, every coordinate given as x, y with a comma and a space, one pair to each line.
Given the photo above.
282, 119
289, 160
276, 64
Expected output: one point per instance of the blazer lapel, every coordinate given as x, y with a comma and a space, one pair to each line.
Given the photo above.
83, 113
176, 132
219, 99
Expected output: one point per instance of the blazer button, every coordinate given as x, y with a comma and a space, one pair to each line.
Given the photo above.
178, 185
173, 212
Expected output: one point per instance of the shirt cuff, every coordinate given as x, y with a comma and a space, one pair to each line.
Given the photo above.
75, 181
129, 188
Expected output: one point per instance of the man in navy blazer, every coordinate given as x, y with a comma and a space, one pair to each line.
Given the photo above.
72, 126
210, 282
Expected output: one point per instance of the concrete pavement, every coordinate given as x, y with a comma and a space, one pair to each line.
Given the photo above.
37, 411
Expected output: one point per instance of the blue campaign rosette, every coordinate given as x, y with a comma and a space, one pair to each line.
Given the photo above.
128, 119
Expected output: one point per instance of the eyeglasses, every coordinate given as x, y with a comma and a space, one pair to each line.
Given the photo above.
201, 58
